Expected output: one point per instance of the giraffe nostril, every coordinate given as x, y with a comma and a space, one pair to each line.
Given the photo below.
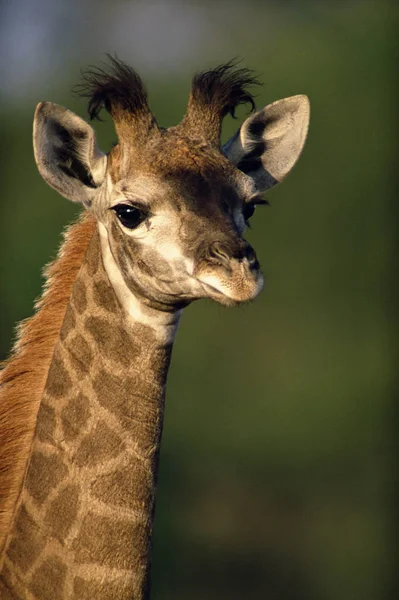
251, 257
219, 252
223, 254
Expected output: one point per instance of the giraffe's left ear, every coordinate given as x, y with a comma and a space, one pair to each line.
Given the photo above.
269, 142
66, 153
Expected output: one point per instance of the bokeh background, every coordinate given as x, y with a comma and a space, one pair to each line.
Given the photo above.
278, 466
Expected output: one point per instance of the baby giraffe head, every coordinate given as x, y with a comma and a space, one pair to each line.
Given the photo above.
172, 204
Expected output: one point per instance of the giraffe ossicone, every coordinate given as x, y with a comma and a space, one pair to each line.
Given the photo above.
82, 396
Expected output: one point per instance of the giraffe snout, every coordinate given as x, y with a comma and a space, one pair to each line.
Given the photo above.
229, 272
224, 254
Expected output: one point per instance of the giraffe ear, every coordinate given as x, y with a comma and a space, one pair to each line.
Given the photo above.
269, 142
66, 152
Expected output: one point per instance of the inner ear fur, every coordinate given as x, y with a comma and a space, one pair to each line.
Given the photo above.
269, 142
66, 152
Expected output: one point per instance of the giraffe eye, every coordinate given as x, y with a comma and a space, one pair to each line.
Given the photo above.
130, 216
248, 211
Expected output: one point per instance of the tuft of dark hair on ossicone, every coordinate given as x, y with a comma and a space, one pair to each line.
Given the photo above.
120, 91
214, 94
120, 88
224, 88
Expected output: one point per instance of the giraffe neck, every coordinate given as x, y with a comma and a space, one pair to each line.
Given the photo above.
83, 528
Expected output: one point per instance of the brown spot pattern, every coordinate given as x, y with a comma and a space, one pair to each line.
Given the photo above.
45, 428
79, 296
119, 394
62, 511
146, 335
99, 445
139, 414
113, 340
110, 542
58, 380
93, 255
68, 324
48, 580
27, 543
75, 416
104, 296
80, 354
120, 487
44, 473
5, 582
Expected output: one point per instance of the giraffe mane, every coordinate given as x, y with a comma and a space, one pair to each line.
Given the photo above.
24, 374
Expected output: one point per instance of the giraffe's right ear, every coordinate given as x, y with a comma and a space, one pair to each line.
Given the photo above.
66, 152
270, 141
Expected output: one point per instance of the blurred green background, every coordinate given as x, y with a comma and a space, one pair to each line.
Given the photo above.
278, 467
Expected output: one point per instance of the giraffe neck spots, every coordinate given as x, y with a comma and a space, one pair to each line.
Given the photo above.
86, 509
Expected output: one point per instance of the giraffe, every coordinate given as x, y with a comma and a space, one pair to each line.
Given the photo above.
82, 396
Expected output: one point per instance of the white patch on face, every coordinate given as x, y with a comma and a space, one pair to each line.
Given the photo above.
164, 324
171, 253
162, 228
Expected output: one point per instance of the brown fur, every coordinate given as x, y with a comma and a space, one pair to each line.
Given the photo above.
24, 375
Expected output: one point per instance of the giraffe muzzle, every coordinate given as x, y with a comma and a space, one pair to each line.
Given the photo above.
230, 274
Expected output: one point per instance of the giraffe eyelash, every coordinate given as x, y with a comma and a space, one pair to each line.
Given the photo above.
259, 201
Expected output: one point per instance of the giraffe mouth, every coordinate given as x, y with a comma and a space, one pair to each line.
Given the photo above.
240, 286
210, 289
